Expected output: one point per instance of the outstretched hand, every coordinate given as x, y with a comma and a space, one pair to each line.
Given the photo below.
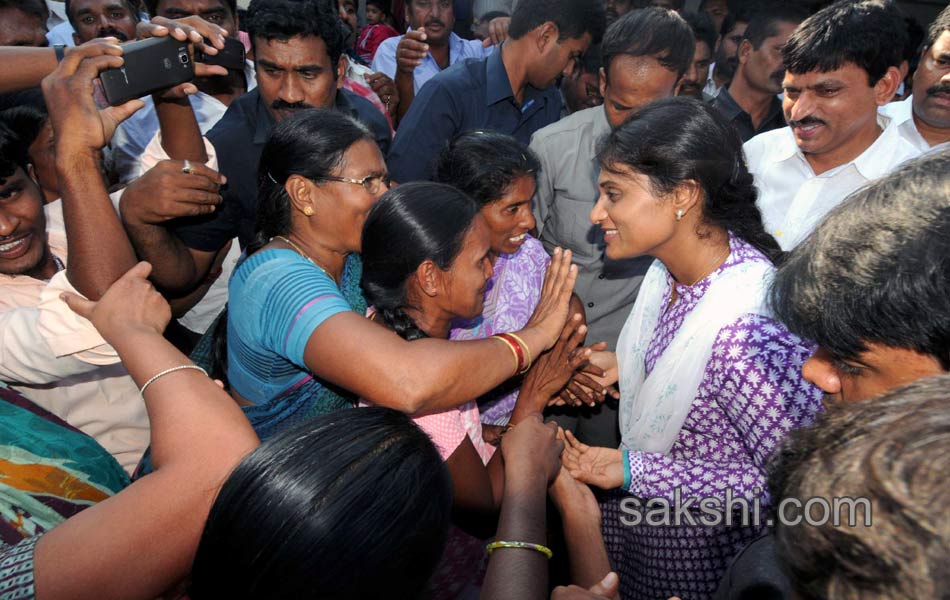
80, 127
602, 467
192, 29
550, 314
130, 304
532, 446
606, 589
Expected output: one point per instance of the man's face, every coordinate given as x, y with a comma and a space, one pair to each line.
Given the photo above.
717, 10
582, 91
23, 249
726, 59
694, 80
635, 81
348, 14
932, 84
877, 371
667, 4
102, 18
436, 17
18, 28
213, 11
295, 73
763, 69
617, 9
558, 59
828, 112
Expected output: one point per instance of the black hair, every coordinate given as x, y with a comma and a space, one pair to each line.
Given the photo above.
13, 152
130, 4
26, 121
766, 23
868, 33
34, 8
152, 6
703, 28
492, 14
939, 25
573, 18
353, 504
741, 14
409, 225
675, 140
877, 269
285, 19
310, 143
485, 164
656, 32
592, 60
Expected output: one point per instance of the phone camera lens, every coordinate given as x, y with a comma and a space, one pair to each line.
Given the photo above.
183, 57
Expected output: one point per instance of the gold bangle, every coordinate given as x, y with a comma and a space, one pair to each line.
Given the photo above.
514, 352
527, 352
522, 545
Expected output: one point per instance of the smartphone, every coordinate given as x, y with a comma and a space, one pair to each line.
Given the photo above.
230, 57
150, 65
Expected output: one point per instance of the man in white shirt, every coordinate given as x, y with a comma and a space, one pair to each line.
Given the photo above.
426, 49
924, 117
841, 66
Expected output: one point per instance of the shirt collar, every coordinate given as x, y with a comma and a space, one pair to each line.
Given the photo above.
497, 84
871, 164
728, 104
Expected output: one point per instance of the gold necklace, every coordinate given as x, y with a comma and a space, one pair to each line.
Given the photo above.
301, 253
717, 264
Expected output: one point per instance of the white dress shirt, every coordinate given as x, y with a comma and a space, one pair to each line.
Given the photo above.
793, 200
903, 115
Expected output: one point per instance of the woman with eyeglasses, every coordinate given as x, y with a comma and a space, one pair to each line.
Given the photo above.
298, 341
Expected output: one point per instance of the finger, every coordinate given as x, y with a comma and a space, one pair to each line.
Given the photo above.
205, 70
196, 181
576, 444
96, 47
579, 393
78, 304
487, 42
122, 112
203, 171
416, 34
578, 333
609, 586
197, 197
89, 69
139, 271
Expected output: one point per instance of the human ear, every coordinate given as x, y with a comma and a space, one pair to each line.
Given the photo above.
547, 35
428, 277
301, 191
602, 82
887, 85
745, 49
687, 196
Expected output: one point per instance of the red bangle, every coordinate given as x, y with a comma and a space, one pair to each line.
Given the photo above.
519, 351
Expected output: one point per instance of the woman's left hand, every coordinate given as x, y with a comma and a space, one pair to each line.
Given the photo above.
602, 467
552, 371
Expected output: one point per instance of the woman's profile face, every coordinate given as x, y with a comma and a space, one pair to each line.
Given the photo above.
634, 220
509, 218
350, 203
463, 283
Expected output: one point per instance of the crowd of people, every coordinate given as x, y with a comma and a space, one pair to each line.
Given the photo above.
257, 329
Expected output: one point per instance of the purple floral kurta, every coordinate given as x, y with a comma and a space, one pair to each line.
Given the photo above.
751, 396
510, 298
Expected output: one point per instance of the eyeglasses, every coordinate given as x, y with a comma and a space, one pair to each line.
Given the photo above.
370, 183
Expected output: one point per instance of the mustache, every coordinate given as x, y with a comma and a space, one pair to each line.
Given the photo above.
281, 105
940, 88
806, 121
113, 32
434, 22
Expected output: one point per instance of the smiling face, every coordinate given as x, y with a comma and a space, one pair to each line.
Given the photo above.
877, 371
102, 18
436, 17
635, 81
23, 249
833, 115
932, 84
635, 221
294, 74
463, 283
509, 218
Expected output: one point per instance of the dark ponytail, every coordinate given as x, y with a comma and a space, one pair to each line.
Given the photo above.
409, 225
675, 140
311, 143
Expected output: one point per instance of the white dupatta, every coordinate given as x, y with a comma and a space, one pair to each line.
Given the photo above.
653, 409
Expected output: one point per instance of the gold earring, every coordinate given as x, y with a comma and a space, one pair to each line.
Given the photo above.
679, 214
308, 211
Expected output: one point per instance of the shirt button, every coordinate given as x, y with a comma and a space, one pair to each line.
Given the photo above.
590, 305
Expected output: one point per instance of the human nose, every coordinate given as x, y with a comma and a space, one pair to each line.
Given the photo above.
290, 90
8, 223
820, 371
802, 106
598, 213
527, 219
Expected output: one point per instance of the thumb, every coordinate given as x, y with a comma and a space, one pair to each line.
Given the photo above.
141, 270
120, 113
609, 586
486, 42
78, 304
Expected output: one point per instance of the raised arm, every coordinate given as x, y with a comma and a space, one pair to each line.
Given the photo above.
198, 436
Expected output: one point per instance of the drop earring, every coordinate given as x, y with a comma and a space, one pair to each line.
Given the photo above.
679, 214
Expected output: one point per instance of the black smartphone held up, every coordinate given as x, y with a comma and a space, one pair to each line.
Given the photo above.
150, 65
230, 57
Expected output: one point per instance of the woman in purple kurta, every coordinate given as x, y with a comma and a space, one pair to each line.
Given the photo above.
709, 382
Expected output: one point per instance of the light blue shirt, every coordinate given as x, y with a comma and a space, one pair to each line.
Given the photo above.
385, 59
134, 134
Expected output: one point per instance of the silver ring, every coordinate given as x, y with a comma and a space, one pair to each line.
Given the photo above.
187, 168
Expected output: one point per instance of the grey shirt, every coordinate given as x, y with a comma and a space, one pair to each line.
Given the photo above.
567, 191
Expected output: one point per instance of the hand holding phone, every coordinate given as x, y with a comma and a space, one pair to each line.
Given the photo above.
150, 65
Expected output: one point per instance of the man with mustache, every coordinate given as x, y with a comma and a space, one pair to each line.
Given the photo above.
725, 62
924, 118
751, 101
102, 18
298, 45
427, 48
841, 66
705, 37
